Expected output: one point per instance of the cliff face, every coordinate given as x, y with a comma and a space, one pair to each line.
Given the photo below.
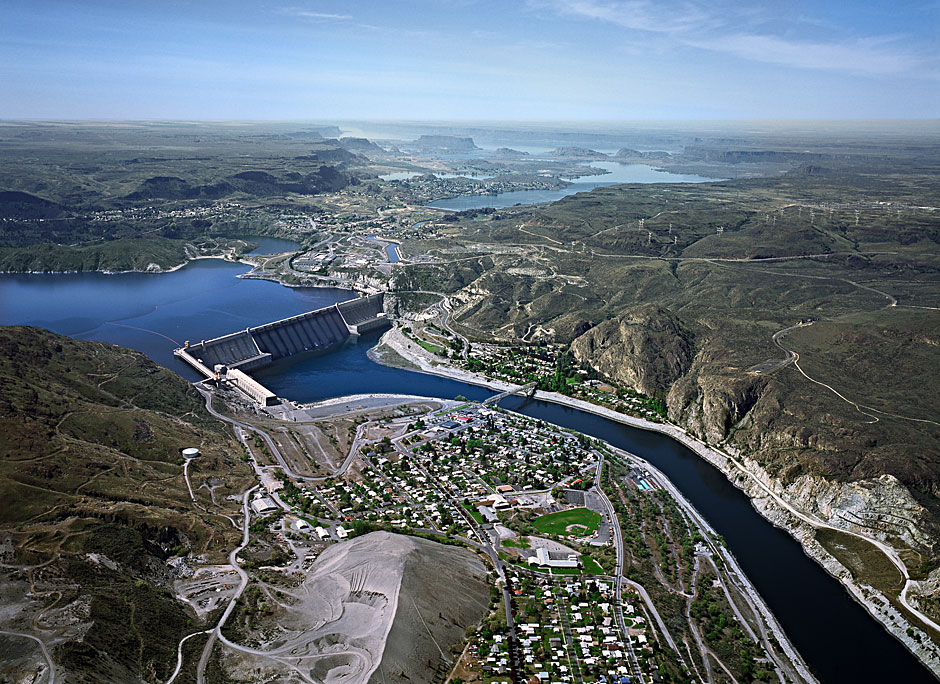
711, 405
808, 444
647, 348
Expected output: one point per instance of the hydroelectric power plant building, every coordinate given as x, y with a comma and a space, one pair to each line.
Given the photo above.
227, 358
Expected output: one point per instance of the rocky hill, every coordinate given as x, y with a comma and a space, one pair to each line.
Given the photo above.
678, 291
96, 504
578, 153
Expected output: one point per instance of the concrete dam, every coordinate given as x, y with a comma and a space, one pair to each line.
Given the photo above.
227, 358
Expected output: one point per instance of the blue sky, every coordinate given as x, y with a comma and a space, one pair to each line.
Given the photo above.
469, 60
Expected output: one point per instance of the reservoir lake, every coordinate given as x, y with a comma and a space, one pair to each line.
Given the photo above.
155, 313
618, 173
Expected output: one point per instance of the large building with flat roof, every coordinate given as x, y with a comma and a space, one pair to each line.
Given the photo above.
553, 559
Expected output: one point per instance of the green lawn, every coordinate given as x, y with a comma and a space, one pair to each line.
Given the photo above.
559, 523
565, 571
520, 543
433, 348
591, 566
474, 513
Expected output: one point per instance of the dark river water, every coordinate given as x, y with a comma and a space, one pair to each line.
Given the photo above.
153, 313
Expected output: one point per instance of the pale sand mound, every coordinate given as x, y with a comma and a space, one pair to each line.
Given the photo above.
381, 607
443, 591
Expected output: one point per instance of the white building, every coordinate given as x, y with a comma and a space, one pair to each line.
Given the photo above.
544, 558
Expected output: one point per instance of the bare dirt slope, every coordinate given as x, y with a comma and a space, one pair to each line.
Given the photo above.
443, 591
379, 608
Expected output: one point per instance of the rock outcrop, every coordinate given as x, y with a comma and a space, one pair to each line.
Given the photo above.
647, 348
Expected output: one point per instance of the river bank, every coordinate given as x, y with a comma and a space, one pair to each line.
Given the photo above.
767, 496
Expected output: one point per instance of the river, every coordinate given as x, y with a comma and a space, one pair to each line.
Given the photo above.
618, 173
153, 313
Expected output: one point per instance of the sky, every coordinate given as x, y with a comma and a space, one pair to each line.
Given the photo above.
530, 60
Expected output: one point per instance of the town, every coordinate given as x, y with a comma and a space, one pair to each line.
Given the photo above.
588, 548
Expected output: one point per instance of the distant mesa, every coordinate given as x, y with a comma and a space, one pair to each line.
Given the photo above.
509, 152
445, 143
317, 132
701, 153
360, 145
578, 153
627, 153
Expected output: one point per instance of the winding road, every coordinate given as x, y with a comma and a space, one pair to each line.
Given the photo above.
45, 653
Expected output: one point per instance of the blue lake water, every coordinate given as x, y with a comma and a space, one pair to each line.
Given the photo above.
619, 173
269, 245
155, 313
152, 313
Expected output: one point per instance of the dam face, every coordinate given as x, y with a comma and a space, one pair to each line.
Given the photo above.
314, 331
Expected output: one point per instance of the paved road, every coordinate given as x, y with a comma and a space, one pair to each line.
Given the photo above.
765, 367
709, 675
486, 545
282, 463
573, 659
618, 567
45, 654
216, 631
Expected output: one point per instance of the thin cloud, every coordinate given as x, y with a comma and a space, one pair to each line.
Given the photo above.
639, 15
695, 26
302, 13
864, 57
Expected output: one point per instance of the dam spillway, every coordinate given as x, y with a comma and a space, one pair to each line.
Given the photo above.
316, 331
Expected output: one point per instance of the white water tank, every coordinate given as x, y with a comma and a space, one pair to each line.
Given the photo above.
190, 452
